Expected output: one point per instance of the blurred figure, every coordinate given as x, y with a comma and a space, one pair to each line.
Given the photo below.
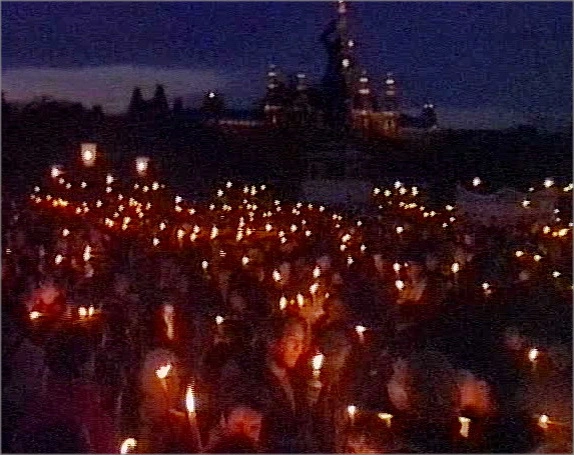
270, 375
239, 429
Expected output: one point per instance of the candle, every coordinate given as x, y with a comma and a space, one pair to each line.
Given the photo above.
168, 312
142, 164
455, 268
361, 331
88, 154
282, 303
317, 364
352, 410
128, 445
300, 300
386, 418
316, 272
191, 415
219, 320
543, 421
464, 426
162, 373
82, 312
397, 268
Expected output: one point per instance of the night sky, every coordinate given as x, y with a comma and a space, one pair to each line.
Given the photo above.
484, 65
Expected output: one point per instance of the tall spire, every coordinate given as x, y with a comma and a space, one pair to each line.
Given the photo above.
275, 97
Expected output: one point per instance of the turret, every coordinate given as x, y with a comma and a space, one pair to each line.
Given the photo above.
137, 104
274, 102
428, 116
213, 106
159, 101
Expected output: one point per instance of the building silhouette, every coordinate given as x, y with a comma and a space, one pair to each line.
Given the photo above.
345, 101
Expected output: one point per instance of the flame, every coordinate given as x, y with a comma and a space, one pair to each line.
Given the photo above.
533, 354
464, 426
189, 399
283, 303
400, 285
219, 320
300, 300
317, 272
91, 311
163, 371
313, 288
318, 361
34, 315
82, 312
352, 410
543, 421
386, 417
360, 329
128, 445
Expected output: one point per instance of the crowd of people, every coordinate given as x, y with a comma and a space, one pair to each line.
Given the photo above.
414, 348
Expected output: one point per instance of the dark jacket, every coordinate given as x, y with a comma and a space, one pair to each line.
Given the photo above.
284, 429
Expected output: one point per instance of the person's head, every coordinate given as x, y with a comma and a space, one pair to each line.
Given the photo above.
234, 443
415, 270
475, 395
513, 339
236, 301
424, 385
244, 420
285, 340
336, 347
121, 284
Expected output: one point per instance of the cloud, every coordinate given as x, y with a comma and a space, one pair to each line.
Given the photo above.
110, 86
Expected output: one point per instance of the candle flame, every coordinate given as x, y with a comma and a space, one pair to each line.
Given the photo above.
318, 362
386, 417
91, 311
163, 371
128, 445
464, 426
352, 410
300, 300
276, 275
219, 320
543, 421
455, 267
82, 312
34, 315
316, 272
400, 285
189, 400
360, 329
283, 303
533, 354
313, 288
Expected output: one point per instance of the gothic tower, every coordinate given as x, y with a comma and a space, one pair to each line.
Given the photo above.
390, 106
275, 101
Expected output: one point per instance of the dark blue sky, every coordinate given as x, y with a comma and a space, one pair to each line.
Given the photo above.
483, 64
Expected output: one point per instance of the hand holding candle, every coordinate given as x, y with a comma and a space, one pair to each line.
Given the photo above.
192, 416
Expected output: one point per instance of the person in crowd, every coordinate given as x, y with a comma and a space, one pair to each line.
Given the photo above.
271, 375
239, 430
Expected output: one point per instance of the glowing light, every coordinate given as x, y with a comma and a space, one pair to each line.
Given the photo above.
464, 426
386, 417
455, 267
214, 232
543, 421
537, 257
300, 300
400, 229
317, 362
55, 172
180, 234
128, 446
476, 181
204, 265
142, 164
88, 154
351, 410
548, 183
376, 191
155, 241
396, 267
519, 253
58, 259
34, 315
400, 285
525, 203
485, 286
533, 354
163, 371
245, 260
219, 320
282, 303
87, 253
82, 312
